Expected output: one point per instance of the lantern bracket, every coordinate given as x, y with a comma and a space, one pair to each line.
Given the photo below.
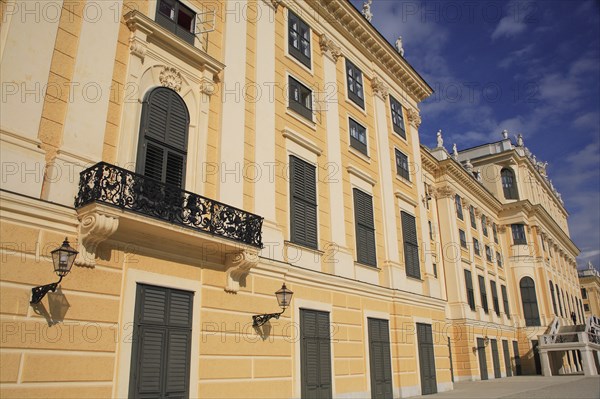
37, 293
260, 319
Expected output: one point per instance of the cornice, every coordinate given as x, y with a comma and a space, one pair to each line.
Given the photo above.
342, 15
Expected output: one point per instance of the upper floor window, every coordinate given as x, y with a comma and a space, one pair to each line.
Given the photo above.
177, 18
476, 246
472, 217
397, 117
358, 136
495, 232
499, 259
518, 233
505, 301
543, 245
463, 238
470, 291
365, 228
411, 245
488, 253
299, 39
495, 301
459, 211
484, 225
529, 301
355, 84
552, 296
303, 203
162, 150
584, 293
509, 185
402, 165
483, 294
300, 98
430, 230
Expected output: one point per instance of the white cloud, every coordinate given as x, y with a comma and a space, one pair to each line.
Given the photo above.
508, 27
589, 120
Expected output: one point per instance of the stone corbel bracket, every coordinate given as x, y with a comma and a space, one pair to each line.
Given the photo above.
237, 267
94, 228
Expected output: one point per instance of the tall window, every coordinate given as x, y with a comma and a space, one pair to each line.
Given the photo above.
495, 301
529, 300
505, 300
470, 291
518, 233
177, 18
552, 296
300, 98
397, 117
495, 232
509, 185
584, 293
476, 247
365, 228
160, 357
358, 136
472, 216
355, 84
499, 259
484, 225
430, 230
560, 305
463, 238
411, 245
402, 165
303, 203
459, 211
299, 39
488, 253
483, 294
162, 150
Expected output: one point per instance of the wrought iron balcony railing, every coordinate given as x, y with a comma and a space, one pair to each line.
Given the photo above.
111, 185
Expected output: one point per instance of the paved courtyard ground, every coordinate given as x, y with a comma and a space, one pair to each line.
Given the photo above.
526, 387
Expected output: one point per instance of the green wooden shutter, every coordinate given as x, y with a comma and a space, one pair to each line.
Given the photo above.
426, 359
506, 355
505, 300
164, 137
496, 358
315, 354
495, 297
160, 364
379, 358
303, 203
365, 228
482, 359
483, 294
469, 286
411, 245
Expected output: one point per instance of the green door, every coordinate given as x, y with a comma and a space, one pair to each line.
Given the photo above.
426, 359
315, 354
380, 359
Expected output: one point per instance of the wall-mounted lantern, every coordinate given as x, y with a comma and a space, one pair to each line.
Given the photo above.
284, 297
63, 259
486, 342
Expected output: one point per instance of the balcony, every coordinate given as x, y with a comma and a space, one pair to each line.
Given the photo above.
134, 209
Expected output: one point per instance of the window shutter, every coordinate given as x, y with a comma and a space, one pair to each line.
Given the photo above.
163, 139
161, 354
365, 228
411, 245
303, 203
315, 354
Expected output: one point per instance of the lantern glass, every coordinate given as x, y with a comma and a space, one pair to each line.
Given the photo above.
284, 297
63, 258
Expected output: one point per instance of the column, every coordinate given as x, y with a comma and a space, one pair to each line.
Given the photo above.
392, 265
343, 261
546, 370
231, 187
264, 156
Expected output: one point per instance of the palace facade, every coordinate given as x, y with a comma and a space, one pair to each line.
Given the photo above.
200, 154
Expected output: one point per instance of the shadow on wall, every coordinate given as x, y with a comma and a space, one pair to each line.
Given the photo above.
58, 306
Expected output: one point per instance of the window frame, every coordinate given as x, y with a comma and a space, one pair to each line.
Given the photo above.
173, 25
472, 217
518, 234
400, 171
470, 290
462, 236
495, 300
508, 180
495, 232
355, 143
489, 256
476, 247
484, 228
505, 302
483, 293
412, 271
365, 226
459, 207
356, 96
306, 201
293, 51
499, 259
296, 105
397, 114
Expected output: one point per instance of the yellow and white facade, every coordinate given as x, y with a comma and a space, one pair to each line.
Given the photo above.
590, 290
79, 83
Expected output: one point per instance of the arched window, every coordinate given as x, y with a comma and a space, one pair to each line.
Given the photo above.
164, 128
509, 185
553, 299
529, 300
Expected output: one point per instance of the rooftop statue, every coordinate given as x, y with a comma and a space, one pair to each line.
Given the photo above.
366, 10
440, 139
399, 47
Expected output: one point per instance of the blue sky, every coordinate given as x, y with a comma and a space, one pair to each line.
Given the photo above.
532, 67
